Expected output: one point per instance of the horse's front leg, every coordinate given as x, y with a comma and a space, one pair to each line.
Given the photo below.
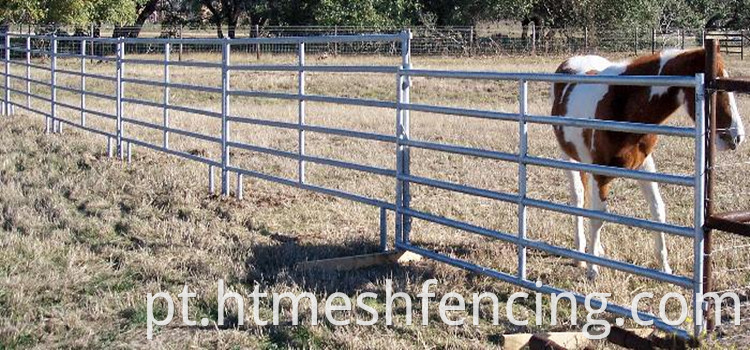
577, 182
598, 193
658, 213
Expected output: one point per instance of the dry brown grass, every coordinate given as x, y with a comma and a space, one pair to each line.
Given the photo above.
85, 238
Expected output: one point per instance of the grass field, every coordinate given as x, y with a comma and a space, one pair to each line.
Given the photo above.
85, 238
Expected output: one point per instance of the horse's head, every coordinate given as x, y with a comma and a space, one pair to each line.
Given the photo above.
729, 126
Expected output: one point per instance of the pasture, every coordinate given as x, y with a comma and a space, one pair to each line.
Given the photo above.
86, 237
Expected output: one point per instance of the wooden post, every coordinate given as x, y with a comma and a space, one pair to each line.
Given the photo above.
586, 39
653, 40
335, 45
257, 46
710, 110
533, 38
471, 41
742, 45
682, 39
179, 55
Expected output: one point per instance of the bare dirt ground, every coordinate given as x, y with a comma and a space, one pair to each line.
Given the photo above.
85, 238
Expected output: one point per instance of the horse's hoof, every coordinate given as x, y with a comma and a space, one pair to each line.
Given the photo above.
579, 263
592, 274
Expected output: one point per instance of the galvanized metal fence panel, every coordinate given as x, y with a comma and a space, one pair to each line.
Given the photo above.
402, 141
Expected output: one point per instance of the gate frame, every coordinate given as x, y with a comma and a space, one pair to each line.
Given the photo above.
734, 222
403, 143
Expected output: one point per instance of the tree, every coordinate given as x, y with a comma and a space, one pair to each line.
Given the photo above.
21, 11
140, 9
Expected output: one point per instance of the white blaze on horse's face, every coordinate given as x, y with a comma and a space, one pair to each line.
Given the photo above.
728, 120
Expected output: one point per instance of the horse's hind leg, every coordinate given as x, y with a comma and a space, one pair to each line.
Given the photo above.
658, 213
577, 186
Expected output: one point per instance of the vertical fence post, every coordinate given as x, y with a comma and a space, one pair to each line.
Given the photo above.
28, 72
211, 187
167, 50
49, 122
472, 34
742, 45
682, 39
335, 44
240, 189
301, 112
402, 135
179, 55
257, 45
533, 37
653, 40
699, 205
83, 83
383, 230
225, 52
710, 152
119, 94
522, 150
586, 38
6, 51
91, 46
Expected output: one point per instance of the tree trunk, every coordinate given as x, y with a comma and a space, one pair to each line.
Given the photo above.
132, 31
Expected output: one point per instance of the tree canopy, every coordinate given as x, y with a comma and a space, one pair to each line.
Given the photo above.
232, 13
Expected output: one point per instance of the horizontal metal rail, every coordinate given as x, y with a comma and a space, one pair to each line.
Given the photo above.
468, 151
555, 250
173, 107
558, 164
599, 124
30, 109
611, 125
508, 278
315, 128
172, 130
611, 171
88, 93
315, 188
628, 80
315, 98
24, 93
162, 84
31, 65
86, 128
23, 49
172, 151
198, 64
560, 208
321, 39
314, 159
331, 69
88, 57
87, 75
88, 111
445, 185
30, 80
614, 218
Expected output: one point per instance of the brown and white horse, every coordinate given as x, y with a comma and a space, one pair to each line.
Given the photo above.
640, 104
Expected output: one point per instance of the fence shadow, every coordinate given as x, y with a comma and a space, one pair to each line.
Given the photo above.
276, 263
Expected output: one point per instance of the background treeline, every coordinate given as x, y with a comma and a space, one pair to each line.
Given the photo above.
129, 16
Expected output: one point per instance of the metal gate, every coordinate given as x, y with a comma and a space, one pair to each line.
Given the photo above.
76, 49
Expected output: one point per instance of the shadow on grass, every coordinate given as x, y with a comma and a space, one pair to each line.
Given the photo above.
269, 264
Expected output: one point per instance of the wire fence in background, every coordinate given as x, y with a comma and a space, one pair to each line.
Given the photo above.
428, 40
